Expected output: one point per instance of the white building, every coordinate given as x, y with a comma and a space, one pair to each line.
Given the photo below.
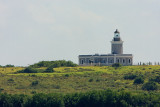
116, 55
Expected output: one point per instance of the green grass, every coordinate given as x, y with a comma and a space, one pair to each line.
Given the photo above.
7, 70
74, 79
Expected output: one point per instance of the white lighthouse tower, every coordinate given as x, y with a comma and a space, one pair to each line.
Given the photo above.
117, 43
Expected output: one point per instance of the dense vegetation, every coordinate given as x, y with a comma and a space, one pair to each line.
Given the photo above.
80, 79
54, 64
88, 99
141, 85
31, 70
49, 64
8, 65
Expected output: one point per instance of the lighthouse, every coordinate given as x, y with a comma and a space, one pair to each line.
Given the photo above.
117, 43
116, 55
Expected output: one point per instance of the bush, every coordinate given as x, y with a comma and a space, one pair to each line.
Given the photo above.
49, 69
90, 80
31, 70
98, 80
56, 86
66, 75
10, 80
34, 83
130, 76
46, 100
54, 64
33, 92
49, 64
105, 98
156, 79
116, 65
1, 89
151, 85
139, 80
9, 65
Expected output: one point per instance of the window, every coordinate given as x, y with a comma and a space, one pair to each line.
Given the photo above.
117, 60
110, 60
96, 60
129, 61
123, 61
90, 61
81, 61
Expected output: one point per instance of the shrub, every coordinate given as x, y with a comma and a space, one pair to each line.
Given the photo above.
34, 83
66, 75
116, 65
139, 80
49, 69
156, 79
31, 70
33, 92
90, 80
10, 80
130, 76
9, 65
33, 75
54, 64
56, 86
46, 100
151, 85
1, 89
105, 98
98, 80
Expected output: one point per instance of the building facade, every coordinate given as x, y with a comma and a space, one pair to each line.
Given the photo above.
116, 55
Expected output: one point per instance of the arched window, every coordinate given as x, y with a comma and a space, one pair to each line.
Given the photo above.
82, 61
123, 61
117, 60
129, 61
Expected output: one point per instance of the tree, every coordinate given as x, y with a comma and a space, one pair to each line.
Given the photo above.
58, 63
9, 65
149, 86
143, 64
30, 70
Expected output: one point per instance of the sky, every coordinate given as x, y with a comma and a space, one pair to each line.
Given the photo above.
45, 30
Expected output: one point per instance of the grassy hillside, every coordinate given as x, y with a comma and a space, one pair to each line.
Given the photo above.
74, 79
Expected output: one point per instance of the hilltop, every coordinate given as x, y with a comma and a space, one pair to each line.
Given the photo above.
76, 79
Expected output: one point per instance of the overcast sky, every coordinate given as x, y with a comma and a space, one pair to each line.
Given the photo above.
36, 30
